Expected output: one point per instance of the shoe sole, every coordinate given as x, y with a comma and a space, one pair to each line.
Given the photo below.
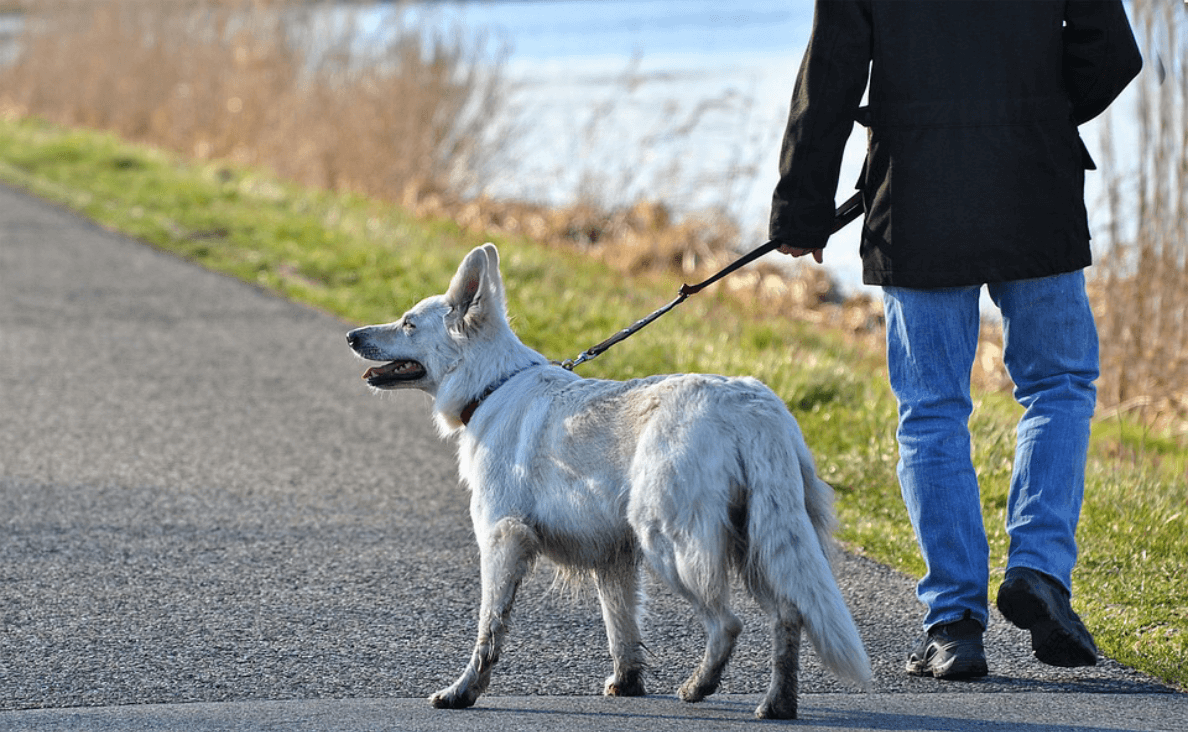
953, 669
1052, 642
951, 672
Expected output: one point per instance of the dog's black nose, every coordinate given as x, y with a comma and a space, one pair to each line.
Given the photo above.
353, 338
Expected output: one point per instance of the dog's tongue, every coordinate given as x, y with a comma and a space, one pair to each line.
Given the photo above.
387, 369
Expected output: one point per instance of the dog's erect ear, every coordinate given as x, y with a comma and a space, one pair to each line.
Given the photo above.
476, 292
493, 276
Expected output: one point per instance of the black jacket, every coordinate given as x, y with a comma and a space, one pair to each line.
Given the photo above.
975, 169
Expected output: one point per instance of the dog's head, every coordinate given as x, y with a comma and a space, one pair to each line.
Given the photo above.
430, 341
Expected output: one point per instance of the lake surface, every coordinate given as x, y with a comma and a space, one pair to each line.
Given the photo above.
682, 101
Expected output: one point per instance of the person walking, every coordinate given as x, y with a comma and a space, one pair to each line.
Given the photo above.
974, 176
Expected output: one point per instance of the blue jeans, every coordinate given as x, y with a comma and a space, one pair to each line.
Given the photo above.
1050, 351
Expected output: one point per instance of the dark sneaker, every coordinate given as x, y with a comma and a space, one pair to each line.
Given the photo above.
1038, 603
950, 651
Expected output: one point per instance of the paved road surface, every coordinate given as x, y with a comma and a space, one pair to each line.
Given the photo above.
203, 507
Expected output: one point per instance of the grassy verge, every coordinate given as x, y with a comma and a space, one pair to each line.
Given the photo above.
366, 261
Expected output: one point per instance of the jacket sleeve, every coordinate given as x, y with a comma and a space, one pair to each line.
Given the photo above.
1100, 55
829, 86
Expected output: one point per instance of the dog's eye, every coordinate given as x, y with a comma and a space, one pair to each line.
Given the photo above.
409, 326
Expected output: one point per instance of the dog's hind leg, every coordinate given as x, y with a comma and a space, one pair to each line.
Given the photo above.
701, 576
618, 590
722, 628
507, 553
780, 701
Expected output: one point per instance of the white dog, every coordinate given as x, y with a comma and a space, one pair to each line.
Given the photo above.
693, 474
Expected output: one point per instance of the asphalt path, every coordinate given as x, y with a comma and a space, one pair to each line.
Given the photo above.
207, 521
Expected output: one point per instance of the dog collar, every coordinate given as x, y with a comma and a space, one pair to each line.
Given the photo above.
468, 410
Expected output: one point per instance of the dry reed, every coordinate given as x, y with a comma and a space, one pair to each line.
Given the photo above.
284, 85
1140, 288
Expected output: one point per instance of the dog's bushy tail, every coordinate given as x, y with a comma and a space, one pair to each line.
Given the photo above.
791, 550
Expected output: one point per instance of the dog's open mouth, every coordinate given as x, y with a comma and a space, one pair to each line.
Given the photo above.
393, 373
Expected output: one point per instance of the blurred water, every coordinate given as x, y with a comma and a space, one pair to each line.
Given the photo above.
654, 97
683, 102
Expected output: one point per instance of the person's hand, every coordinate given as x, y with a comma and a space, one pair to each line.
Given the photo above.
798, 252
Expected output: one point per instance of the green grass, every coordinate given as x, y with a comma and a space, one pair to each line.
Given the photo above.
367, 261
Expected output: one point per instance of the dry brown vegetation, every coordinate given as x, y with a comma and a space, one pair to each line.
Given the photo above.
264, 82
1140, 287
280, 83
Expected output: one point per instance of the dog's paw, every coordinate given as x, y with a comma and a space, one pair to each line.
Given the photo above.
695, 690
453, 698
776, 709
629, 684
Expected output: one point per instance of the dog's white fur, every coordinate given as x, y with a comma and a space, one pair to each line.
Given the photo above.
693, 474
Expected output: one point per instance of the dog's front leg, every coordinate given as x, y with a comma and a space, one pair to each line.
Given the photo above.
507, 553
618, 590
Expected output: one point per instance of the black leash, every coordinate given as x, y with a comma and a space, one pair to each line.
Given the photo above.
845, 213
